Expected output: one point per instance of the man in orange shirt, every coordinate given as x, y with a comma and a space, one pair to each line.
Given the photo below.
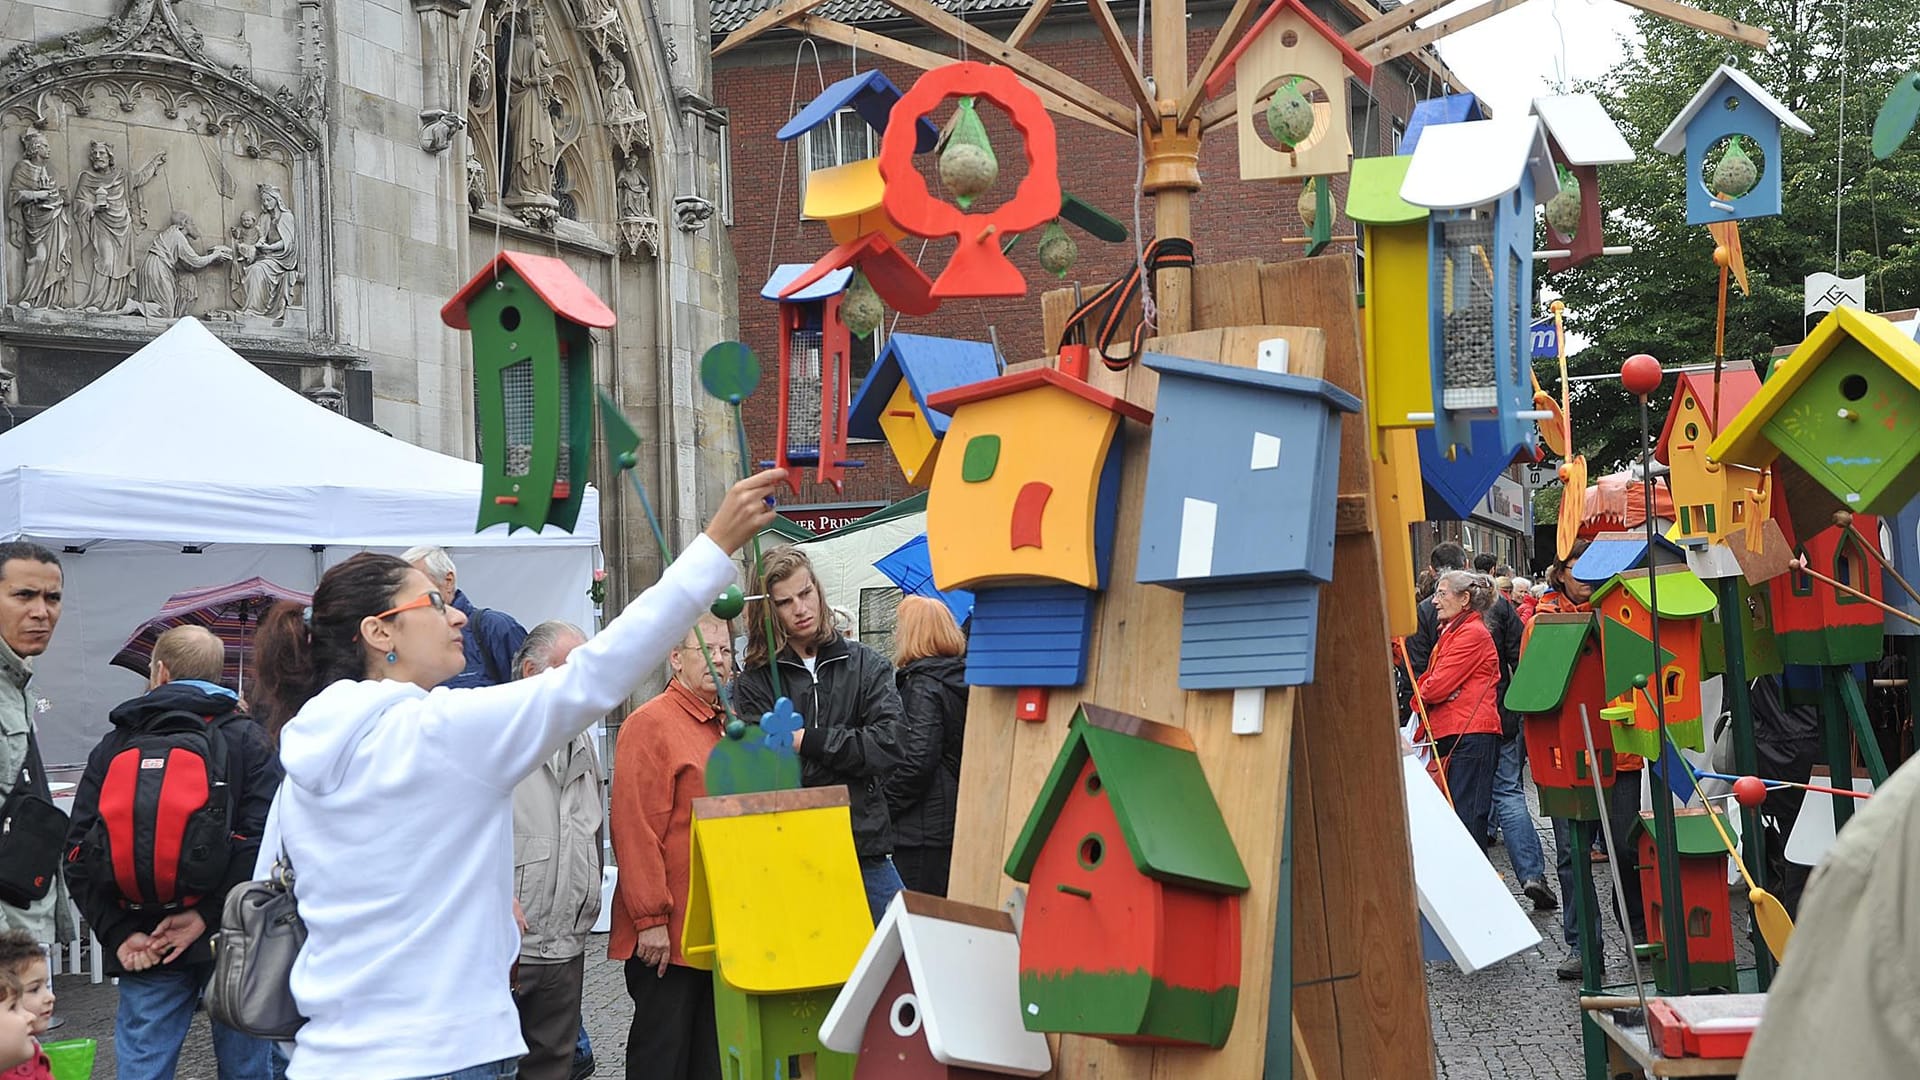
659, 768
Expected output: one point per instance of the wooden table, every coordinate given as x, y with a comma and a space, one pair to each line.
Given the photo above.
1627, 1050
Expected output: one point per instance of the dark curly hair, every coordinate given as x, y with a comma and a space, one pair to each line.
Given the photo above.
296, 655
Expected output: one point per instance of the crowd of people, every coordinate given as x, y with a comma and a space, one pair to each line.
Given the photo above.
423, 770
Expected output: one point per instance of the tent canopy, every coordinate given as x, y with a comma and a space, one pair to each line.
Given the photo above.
186, 442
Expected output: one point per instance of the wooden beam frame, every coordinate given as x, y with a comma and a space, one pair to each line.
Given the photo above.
1405, 15
1413, 40
1110, 32
772, 18
1230, 30
1029, 24
1219, 111
1731, 29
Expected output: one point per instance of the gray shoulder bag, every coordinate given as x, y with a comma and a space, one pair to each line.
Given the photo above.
261, 935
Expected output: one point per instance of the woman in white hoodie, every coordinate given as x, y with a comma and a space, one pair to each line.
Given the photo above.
397, 813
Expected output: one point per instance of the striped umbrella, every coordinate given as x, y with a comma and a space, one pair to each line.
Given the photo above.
230, 611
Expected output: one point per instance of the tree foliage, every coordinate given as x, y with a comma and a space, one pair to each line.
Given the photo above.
1662, 298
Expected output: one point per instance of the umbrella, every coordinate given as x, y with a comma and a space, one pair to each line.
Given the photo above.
230, 611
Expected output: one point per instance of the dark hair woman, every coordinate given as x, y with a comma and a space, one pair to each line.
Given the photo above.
1461, 691
397, 813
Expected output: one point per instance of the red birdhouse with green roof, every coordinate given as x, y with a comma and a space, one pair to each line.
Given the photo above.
1560, 676
1625, 606
1132, 929
532, 321
1815, 623
1703, 894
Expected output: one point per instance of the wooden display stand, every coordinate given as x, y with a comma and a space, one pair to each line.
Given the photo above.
1358, 996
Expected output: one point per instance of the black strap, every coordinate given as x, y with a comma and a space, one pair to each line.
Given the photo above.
1109, 307
31, 769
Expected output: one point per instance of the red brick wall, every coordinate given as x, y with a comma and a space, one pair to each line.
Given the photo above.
1233, 219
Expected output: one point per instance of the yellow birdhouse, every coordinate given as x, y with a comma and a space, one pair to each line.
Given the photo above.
1394, 238
1710, 500
1399, 501
1290, 78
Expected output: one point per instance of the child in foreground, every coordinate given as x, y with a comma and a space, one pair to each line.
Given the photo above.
27, 1005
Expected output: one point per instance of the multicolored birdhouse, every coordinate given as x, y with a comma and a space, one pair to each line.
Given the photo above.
892, 402
1457, 477
848, 197
1900, 540
1703, 895
1290, 78
1729, 136
775, 975
1132, 929
814, 375
1709, 499
1845, 407
1434, 111
1759, 647
1582, 137
1481, 179
1022, 511
532, 321
936, 995
1625, 606
1238, 515
1558, 687
1816, 623
1613, 553
1393, 235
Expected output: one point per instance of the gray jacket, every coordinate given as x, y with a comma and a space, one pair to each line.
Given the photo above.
48, 915
557, 818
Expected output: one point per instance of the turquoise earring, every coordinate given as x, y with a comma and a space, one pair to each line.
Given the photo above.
392, 657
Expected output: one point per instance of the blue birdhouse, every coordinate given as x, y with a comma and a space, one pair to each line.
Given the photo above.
1482, 180
1614, 553
1455, 485
1242, 479
1446, 109
1900, 539
1730, 136
892, 403
870, 94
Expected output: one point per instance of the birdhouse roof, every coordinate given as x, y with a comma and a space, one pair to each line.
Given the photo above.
1738, 385
1361, 67
1436, 111
831, 285
965, 965
1744, 439
1254, 379
1614, 553
1471, 164
929, 365
551, 279
1547, 664
948, 401
1693, 831
870, 94
1682, 595
1373, 192
1580, 126
1153, 778
1674, 139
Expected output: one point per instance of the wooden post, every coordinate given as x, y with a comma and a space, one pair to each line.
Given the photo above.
1593, 964
1745, 758
1173, 166
1863, 735
1833, 726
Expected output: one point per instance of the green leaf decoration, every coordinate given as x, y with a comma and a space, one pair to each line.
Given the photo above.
1057, 249
1897, 116
1290, 115
861, 309
622, 440
968, 166
1563, 210
730, 372
1735, 174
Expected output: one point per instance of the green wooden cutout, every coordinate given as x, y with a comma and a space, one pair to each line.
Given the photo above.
1627, 655
1320, 231
1547, 665
1373, 192
1897, 116
983, 456
1091, 219
744, 765
623, 442
730, 372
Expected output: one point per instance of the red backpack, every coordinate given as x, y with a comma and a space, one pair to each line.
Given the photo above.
164, 836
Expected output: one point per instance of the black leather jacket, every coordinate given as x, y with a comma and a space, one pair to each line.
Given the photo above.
923, 791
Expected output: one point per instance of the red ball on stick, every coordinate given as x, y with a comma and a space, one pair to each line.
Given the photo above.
1749, 791
1641, 374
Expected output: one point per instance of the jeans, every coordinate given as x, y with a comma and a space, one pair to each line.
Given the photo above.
1469, 763
582, 1047
156, 1008
504, 1069
882, 882
1510, 810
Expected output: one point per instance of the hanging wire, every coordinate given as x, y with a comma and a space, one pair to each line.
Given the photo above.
1149, 312
793, 147
1873, 211
502, 51
1840, 142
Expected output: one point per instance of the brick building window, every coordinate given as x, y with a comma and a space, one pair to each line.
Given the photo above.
840, 141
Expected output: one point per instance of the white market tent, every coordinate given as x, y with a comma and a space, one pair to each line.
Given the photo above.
187, 466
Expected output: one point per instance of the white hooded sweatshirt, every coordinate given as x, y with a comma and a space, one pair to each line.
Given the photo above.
397, 816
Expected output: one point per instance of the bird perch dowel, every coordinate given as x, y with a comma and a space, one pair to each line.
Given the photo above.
1349, 239
1800, 566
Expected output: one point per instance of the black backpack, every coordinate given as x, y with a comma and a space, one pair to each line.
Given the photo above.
164, 836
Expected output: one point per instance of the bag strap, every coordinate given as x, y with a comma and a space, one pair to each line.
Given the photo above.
1109, 307
31, 771
271, 839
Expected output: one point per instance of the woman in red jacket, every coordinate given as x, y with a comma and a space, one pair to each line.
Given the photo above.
1461, 691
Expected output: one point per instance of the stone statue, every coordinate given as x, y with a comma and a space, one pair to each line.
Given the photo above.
620, 103
270, 264
437, 129
476, 183
37, 216
635, 193
163, 293
101, 200
534, 151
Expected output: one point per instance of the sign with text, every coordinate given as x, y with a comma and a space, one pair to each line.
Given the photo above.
1546, 340
1505, 505
825, 519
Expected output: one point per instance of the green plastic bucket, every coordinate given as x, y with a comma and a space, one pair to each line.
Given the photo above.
72, 1058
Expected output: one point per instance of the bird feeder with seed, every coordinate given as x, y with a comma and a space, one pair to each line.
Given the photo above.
1481, 180
1581, 137
815, 373
1290, 78
532, 321
1729, 135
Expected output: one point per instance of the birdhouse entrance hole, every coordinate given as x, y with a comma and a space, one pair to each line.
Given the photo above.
905, 1016
1732, 167
1092, 850
1293, 113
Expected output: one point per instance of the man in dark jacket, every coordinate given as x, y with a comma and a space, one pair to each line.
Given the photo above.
163, 959
844, 693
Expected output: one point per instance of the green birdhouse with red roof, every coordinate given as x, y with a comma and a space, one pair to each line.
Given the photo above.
532, 321
1132, 929
1559, 687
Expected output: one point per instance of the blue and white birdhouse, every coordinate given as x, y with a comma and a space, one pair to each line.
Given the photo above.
1482, 180
1456, 484
1445, 109
1730, 136
1242, 479
1900, 539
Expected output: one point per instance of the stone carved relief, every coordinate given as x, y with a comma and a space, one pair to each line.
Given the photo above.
166, 288
533, 151
639, 228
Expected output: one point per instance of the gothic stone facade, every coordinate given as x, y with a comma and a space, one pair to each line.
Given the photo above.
313, 178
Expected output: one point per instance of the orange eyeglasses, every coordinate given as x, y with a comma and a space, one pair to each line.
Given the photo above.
431, 599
